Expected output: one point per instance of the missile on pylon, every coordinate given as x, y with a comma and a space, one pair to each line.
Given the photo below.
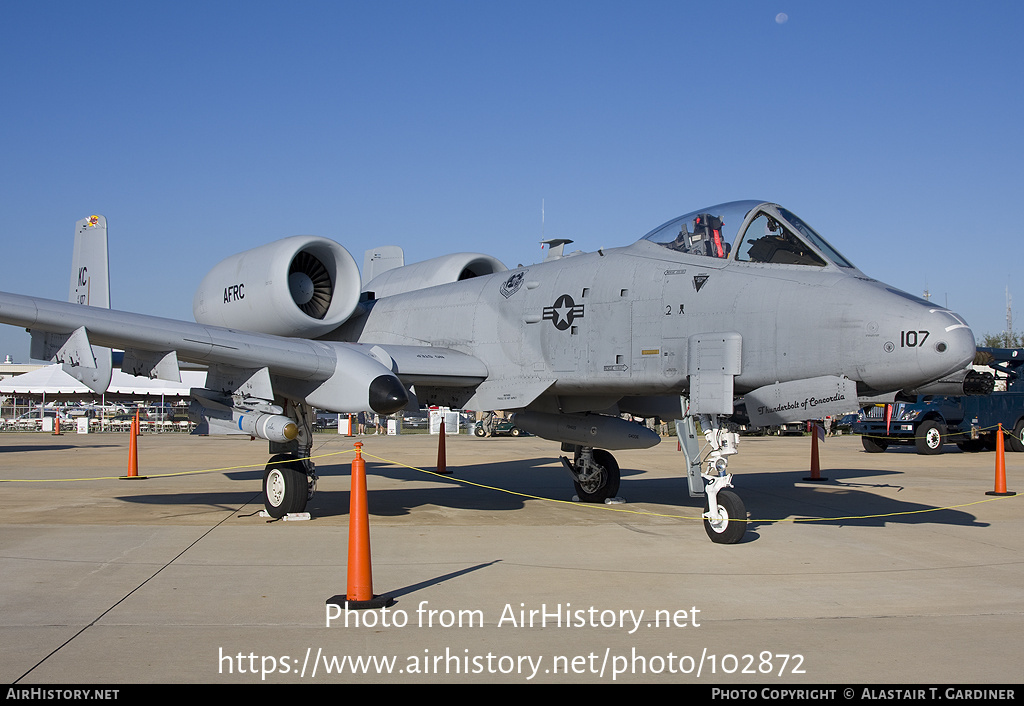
217, 419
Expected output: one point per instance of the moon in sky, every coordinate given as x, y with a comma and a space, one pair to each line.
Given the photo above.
781, 18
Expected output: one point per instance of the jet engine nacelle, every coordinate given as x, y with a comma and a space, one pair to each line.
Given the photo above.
302, 286
430, 273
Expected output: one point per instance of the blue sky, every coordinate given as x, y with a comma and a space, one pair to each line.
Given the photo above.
203, 129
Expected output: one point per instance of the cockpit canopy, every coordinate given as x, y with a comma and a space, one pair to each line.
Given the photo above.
762, 232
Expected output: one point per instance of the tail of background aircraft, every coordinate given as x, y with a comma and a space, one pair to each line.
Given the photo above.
90, 286
381, 259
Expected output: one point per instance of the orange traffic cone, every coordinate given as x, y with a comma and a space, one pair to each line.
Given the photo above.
442, 455
133, 452
815, 466
56, 426
359, 594
1000, 488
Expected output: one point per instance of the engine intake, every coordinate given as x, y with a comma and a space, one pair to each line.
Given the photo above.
430, 273
299, 286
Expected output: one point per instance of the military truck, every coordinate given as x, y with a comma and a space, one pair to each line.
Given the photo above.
970, 420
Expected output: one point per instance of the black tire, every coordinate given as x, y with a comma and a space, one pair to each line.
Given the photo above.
515, 431
1016, 440
971, 445
607, 486
285, 486
929, 437
873, 445
729, 531
479, 431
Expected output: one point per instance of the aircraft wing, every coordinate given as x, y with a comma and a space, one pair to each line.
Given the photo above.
329, 375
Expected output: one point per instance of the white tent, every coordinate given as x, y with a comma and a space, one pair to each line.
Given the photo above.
52, 380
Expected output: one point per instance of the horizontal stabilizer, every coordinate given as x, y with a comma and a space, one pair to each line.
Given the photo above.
799, 400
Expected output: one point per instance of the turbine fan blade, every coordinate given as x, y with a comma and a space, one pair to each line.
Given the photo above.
323, 288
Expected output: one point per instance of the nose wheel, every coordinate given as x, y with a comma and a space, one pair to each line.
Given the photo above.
725, 516
730, 524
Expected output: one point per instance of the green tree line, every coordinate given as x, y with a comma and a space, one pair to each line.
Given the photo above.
1002, 340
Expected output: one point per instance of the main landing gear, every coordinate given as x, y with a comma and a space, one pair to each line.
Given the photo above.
287, 485
289, 480
595, 473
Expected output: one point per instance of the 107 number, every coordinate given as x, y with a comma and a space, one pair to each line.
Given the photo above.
913, 339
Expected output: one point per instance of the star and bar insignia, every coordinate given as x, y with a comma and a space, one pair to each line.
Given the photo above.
564, 312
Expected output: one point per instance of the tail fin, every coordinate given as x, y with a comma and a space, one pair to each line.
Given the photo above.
381, 259
90, 286
90, 272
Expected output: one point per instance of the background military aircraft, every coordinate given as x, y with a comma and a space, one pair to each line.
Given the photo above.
741, 299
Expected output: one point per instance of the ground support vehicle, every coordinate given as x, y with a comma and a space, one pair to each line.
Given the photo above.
970, 421
502, 427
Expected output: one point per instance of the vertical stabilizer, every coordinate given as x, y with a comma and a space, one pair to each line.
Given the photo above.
90, 275
90, 286
381, 259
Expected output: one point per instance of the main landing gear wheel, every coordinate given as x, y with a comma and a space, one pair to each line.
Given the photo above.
928, 438
285, 486
601, 481
727, 530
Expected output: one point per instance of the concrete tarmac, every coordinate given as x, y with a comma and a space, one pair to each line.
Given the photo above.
917, 578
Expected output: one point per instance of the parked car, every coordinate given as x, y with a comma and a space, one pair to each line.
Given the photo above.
502, 427
415, 420
32, 419
844, 424
326, 420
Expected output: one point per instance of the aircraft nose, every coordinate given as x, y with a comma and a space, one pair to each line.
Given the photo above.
953, 347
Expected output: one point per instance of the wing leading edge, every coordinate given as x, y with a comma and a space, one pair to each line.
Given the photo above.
330, 375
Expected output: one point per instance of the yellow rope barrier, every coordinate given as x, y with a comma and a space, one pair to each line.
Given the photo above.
965, 434
593, 506
168, 475
611, 508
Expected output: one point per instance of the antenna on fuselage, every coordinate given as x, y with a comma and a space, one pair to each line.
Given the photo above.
555, 246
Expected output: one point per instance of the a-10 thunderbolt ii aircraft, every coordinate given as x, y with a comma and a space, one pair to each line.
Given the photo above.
741, 299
